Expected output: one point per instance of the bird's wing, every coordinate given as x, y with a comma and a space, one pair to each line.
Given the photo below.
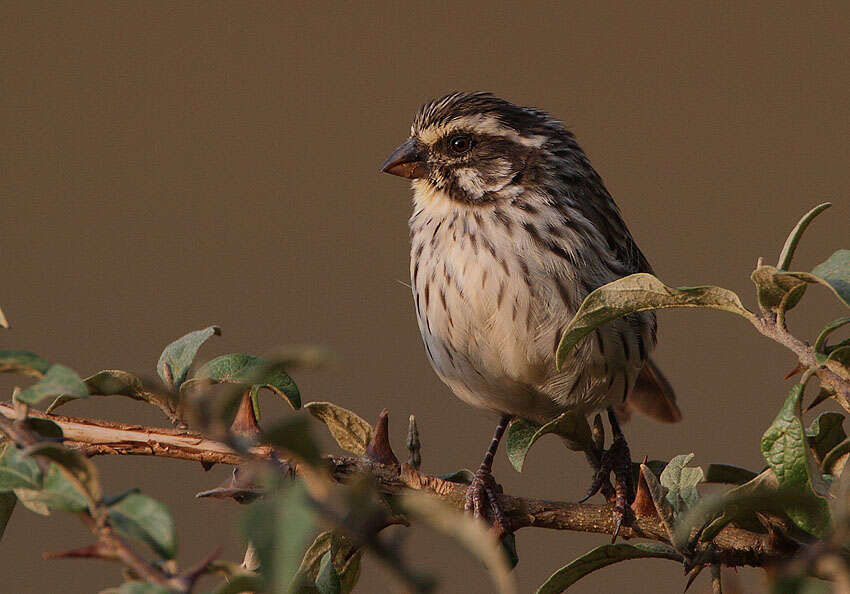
652, 394
606, 217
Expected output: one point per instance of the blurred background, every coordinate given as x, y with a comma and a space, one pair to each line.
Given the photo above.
171, 165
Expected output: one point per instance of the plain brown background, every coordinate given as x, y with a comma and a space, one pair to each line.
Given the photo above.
170, 165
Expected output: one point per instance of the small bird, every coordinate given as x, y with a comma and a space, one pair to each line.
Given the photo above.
511, 229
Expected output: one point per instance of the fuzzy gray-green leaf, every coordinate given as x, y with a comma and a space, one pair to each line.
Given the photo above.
778, 290
834, 325
111, 382
143, 518
328, 582
248, 370
18, 470
24, 362
835, 271
640, 292
351, 432
293, 434
58, 381
727, 473
521, 435
279, 527
603, 556
77, 468
786, 450
346, 560
826, 432
57, 492
176, 359
681, 482
790, 246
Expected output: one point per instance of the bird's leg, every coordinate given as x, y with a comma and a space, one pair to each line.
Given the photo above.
616, 459
483, 493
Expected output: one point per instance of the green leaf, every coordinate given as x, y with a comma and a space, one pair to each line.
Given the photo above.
790, 246
835, 272
58, 381
242, 582
23, 362
115, 381
293, 434
842, 355
107, 383
827, 330
247, 370
522, 434
18, 470
472, 534
640, 292
77, 468
603, 556
7, 506
833, 462
176, 359
57, 492
328, 581
740, 504
826, 432
727, 473
463, 476
147, 520
778, 290
350, 431
786, 451
46, 428
681, 482
346, 560
279, 527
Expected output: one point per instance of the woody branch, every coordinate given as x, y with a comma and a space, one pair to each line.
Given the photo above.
95, 437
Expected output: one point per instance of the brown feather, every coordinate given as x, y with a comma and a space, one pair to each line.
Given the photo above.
653, 395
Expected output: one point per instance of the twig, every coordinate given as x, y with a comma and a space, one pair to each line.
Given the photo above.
732, 547
716, 584
831, 374
109, 545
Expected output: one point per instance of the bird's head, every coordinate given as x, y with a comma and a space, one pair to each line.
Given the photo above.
474, 147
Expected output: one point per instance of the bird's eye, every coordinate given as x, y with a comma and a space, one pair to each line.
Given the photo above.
460, 143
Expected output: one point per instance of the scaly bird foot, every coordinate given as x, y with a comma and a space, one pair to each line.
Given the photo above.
483, 500
617, 460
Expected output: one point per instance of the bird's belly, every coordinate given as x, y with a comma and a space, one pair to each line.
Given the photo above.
483, 333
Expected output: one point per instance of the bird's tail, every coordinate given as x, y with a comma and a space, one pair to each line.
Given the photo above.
653, 396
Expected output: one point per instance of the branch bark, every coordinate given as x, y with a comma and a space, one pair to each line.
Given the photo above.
831, 374
94, 437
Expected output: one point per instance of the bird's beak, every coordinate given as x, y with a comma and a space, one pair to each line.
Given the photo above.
409, 160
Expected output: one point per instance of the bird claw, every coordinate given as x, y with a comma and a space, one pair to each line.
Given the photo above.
617, 460
482, 499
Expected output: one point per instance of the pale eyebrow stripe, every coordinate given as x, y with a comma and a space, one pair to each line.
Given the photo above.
481, 124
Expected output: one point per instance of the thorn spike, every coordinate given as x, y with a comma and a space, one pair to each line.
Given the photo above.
379, 449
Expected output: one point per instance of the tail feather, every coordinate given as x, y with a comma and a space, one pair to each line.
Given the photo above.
653, 396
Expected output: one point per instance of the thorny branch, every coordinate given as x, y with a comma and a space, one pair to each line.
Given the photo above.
733, 546
109, 545
831, 374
